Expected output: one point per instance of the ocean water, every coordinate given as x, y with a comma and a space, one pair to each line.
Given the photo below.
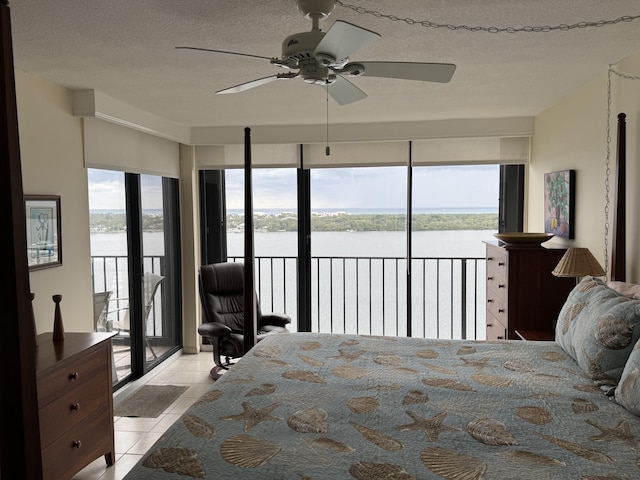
440, 244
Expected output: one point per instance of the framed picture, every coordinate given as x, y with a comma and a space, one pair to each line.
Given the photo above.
44, 239
559, 203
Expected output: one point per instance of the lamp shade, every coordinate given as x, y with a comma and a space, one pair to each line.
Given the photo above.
578, 262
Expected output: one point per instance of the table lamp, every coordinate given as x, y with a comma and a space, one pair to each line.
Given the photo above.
578, 262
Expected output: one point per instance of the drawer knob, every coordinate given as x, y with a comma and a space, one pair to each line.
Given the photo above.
501, 286
489, 258
501, 310
500, 337
73, 376
76, 444
489, 278
501, 264
489, 325
489, 300
75, 406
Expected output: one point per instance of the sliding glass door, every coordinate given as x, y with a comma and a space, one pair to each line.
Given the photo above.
110, 263
135, 267
160, 267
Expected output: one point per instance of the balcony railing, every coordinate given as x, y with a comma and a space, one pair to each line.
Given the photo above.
355, 294
110, 273
369, 295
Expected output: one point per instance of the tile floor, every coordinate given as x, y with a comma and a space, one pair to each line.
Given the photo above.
134, 436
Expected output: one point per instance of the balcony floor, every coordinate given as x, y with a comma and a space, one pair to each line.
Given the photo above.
122, 358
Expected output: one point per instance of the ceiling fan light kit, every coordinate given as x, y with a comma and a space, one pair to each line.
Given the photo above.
322, 58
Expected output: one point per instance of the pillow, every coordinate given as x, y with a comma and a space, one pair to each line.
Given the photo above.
627, 392
597, 327
625, 288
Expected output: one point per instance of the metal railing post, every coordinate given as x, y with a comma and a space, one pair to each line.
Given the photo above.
463, 302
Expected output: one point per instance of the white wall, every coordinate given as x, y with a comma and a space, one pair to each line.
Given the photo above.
190, 240
52, 158
52, 163
572, 135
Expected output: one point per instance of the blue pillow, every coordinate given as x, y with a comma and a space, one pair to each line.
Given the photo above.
627, 392
597, 327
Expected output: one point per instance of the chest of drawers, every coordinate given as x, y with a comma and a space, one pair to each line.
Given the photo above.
75, 402
522, 293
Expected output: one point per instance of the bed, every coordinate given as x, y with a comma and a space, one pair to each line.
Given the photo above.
328, 406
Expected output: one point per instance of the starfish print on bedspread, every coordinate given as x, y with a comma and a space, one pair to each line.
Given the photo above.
253, 416
432, 427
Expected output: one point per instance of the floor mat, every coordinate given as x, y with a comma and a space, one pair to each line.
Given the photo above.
148, 401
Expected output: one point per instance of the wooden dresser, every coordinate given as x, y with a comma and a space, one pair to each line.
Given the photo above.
75, 402
522, 293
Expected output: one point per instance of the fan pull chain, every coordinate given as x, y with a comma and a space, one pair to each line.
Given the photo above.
327, 148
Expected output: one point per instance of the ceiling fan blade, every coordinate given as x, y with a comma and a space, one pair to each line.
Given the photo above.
345, 92
248, 85
426, 72
342, 39
222, 51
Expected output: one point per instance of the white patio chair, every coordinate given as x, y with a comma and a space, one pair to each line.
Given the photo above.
122, 322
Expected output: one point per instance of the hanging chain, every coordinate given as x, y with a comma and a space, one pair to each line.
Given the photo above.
526, 29
607, 175
607, 162
623, 75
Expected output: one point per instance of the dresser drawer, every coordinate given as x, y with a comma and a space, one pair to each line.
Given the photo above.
497, 306
497, 273
65, 412
77, 447
61, 378
496, 256
495, 329
498, 281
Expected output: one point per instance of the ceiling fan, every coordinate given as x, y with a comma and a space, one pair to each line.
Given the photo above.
322, 58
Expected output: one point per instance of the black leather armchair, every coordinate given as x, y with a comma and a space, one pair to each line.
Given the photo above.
222, 296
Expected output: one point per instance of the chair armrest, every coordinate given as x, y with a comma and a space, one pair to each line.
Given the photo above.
213, 329
278, 319
116, 310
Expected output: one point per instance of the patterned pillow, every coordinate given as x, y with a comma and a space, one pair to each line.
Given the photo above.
627, 392
597, 327
625, 288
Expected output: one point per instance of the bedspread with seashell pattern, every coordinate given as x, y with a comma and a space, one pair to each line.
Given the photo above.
326, 406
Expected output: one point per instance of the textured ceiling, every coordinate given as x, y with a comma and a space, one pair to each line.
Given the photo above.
125, 49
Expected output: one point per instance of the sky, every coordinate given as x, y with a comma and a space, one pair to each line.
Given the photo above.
371, 187
106, 190
331, 188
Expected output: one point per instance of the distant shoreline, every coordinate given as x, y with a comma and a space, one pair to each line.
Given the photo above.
320, 222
